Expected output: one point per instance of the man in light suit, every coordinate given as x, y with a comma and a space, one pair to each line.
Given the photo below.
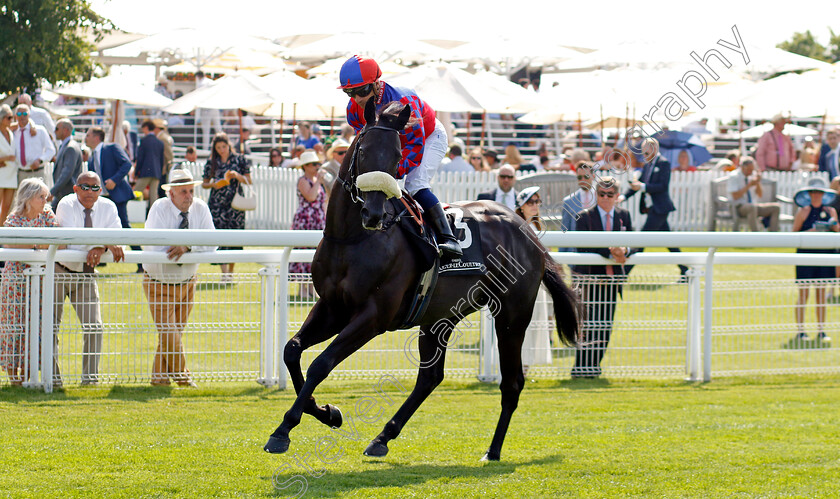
68, 162
580, 200
655, 181
111, 163
505, 193
600, 284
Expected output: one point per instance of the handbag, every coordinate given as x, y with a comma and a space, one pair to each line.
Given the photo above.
245, 198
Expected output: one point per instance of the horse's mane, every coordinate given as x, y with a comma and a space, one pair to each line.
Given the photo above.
392, 111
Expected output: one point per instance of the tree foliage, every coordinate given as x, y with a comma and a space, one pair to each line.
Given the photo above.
805, 44
47, 39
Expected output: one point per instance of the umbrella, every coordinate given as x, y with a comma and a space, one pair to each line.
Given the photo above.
193, 44
237, 59
447, 88
380, 46
240, 90
331, 68
299, 98
115, 88
672, 142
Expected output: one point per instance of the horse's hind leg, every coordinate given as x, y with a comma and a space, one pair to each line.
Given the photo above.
351, 338
432, 357
510, 334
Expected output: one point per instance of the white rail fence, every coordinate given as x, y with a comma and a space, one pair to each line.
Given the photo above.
664, 327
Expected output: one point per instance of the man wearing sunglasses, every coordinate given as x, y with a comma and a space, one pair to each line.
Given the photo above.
600, 284
504, 193
580, 200
32, 150
85, 209
424, 144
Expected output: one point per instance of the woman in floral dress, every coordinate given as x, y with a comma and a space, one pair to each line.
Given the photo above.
29, 209
311, 213
223, 173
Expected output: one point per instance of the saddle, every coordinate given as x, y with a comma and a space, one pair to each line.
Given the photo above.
409, 218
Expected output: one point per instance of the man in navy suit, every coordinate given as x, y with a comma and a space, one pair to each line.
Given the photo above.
149, 166
655, 181
600, 284
111, 163
830, 153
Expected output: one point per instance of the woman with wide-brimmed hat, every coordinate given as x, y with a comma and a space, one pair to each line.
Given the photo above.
814, 215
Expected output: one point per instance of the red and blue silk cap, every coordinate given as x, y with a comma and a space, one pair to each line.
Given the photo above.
357, 71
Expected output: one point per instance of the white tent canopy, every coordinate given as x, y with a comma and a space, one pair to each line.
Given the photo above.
790, 130
115, 88
449, 89
381, 46
240, 90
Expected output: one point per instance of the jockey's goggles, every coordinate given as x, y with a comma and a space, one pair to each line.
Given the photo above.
360, 91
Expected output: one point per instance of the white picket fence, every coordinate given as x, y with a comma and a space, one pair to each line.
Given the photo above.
690, 191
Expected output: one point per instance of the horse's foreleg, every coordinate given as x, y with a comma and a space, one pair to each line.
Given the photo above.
432, 344
510, 334
351, 338
320, 325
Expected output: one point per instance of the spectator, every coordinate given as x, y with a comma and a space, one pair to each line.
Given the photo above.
830, 154
655, 180
730, 162
76, 280
162, 87
149, 167
132, 141
8, 163
477, 161
807, 159
223, 173
504, 193
305, 138
581, 200
578, 156
311, 213
513, 157
38, 115
275, 157
491, 157
28, 210
814, 214
684, 162
85, 153
600, 284
110, 162
190, 160
68, 162
775, 149
744, 187
209, 118
168, 154
32, 151
170, 287
242, 146
455, 161
335, 154
536, 347
347, 132
294, 161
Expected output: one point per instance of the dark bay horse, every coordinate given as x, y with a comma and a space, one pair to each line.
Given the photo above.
365, 277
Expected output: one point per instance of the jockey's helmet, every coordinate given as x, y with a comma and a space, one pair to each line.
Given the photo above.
357, 71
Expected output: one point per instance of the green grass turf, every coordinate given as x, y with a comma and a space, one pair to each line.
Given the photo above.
736, 437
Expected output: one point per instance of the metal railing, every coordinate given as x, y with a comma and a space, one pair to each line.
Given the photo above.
664, 327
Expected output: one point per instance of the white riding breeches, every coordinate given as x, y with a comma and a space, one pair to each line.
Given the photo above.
434, 150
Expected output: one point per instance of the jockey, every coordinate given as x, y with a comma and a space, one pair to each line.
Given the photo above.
424, 144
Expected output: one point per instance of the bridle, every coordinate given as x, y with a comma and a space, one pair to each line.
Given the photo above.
349, 184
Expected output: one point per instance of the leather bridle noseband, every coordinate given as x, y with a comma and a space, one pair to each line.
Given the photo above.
349, 184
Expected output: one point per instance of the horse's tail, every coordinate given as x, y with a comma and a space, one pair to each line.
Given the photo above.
566, 302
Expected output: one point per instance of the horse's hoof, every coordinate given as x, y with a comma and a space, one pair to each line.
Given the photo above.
336, 419
376, 449
277, 445
491, 457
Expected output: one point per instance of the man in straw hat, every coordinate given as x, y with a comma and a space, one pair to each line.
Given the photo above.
335, 155
170, 287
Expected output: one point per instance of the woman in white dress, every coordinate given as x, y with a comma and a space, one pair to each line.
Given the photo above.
8, 166
536, 348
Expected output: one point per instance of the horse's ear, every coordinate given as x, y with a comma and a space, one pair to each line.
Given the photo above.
403, 118
370, 111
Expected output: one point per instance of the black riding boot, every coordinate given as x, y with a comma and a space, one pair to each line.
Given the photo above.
446, 241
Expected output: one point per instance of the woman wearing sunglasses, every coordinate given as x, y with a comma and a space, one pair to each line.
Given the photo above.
536, 348
424, 144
